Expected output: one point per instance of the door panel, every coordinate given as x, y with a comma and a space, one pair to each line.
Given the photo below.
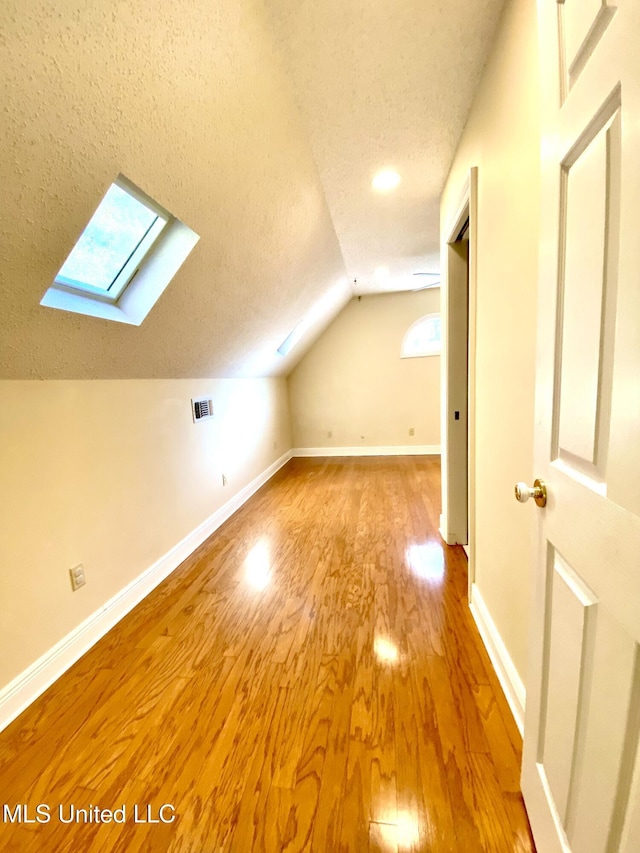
582, 23
581, 773
572, 606
586, 205
601, 803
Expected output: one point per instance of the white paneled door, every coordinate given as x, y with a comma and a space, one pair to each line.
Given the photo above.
581, 766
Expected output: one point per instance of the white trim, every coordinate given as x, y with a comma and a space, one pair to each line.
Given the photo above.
462, 210
394, 450
424, 354
26, 687
508, 676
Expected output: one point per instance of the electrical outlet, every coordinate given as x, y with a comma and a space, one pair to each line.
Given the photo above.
224, 479
330, 433
77, 577
412, 431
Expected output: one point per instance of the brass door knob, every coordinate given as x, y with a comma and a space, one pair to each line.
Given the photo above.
538, 492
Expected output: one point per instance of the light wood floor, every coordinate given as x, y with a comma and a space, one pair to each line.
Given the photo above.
310, 679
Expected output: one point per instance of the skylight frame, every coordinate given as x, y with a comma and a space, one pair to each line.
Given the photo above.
136, 258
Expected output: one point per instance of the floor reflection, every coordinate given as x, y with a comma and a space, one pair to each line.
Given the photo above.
385, 650
426, 561
258, 566
403, 834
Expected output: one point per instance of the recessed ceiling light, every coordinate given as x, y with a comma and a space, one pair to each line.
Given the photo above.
385, 181
381, 272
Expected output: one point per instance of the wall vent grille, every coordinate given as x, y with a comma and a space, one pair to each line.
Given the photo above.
202, 409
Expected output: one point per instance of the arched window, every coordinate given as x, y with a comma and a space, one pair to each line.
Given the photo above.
422, 338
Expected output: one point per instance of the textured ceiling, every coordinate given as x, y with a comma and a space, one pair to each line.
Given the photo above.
259, 128
384, 83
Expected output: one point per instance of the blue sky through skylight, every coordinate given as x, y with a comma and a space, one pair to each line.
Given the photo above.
114, 232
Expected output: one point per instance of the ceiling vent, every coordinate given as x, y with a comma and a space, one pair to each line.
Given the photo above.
202, 409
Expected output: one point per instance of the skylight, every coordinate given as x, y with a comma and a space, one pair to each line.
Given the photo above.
292, 338
123, 260
319, 311
111, 247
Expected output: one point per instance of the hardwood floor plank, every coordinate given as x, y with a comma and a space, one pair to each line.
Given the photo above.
326, 833
383, 838
383, 795
506, 758
438, 804
417, 818
250, 831
310, 679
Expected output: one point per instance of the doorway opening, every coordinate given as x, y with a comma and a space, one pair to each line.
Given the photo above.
458, 447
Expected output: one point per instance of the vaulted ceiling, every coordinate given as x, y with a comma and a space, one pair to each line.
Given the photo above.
260, 125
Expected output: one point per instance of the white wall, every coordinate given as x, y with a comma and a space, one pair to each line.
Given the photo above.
354, 384
502, 138
113, 474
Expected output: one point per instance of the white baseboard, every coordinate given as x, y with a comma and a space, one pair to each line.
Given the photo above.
508, 676
384, 450
27, 686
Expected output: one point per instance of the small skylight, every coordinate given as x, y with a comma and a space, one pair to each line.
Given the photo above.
111, 247
292, 338
320, 311
124, 259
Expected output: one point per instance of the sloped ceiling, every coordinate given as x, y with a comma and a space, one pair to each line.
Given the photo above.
258, 127
382, 84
